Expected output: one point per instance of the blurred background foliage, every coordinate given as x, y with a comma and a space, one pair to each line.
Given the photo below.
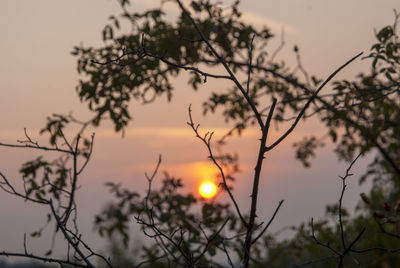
360, 115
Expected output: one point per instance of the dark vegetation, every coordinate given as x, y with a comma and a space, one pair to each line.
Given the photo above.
208, 41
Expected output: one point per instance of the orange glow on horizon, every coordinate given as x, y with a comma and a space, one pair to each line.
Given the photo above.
198, 173
208, 189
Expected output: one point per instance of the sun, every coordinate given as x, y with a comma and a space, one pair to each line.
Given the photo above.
208, 189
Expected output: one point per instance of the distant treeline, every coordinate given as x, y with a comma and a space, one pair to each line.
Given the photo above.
5, 264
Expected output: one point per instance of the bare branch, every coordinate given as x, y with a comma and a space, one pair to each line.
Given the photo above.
207, 142
34, 146
269, 222
313, 261
310, 100
318, 242
88, 156
223, 62
74, 180
250, 62
341, 199
12, 191
210, 240
40, 258
62, 227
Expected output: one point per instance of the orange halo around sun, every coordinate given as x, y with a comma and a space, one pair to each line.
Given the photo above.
208, 189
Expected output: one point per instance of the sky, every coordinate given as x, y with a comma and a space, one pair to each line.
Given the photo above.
38, 77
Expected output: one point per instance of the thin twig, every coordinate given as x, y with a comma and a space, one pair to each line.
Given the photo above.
88, 156
207, 142
250, 62
224, 63
269, 222
318, 242
310, 100
74, 180
61, 226
210, 240
40, 258
36, 147
313, 261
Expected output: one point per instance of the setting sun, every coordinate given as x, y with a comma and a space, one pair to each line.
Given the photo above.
208, 189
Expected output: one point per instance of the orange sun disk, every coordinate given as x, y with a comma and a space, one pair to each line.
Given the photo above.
208, 189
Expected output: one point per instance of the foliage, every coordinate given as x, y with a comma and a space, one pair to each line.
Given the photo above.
361, 116
142, 63
168, 217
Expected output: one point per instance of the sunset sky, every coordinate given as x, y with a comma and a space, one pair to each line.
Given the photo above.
38, 77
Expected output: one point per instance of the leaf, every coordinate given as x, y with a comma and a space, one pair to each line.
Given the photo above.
211, 250
166, 216
385, 33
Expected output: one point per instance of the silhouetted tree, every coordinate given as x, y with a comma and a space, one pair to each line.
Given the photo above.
209, 41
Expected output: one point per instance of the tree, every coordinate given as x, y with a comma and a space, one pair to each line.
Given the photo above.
204, 37
366, 109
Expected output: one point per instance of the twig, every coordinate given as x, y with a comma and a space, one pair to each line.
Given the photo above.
207, 141
224, 63
279, 48
269, 222
61, 226
210, 240
313, 261
345, 249
14, 192
250, 62
40, 258
318, 242
74, 181
88, 156
36, 147
341, 198
92, 253
310, 100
